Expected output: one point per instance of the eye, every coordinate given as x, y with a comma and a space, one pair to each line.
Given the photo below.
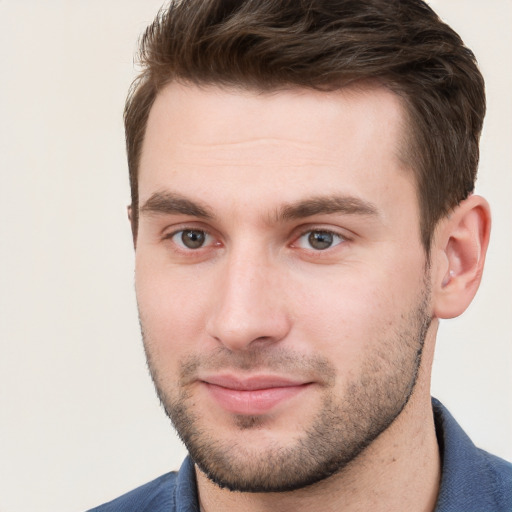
191, 238
319, 240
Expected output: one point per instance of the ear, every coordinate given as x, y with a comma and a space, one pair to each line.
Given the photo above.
460, 245
132, 224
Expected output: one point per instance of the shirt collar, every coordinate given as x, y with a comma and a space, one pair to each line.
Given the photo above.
465, 471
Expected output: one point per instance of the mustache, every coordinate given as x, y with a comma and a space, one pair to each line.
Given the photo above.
277, 360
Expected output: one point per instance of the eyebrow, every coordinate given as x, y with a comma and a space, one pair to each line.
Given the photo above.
170, 203
322, 205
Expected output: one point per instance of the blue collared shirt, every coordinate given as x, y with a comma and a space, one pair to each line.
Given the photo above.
472, 479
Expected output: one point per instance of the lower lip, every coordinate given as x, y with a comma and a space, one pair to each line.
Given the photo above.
251, 402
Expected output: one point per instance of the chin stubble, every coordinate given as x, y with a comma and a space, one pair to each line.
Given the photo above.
343, 427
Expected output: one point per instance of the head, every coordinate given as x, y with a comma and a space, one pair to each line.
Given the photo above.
272, 45
300, 176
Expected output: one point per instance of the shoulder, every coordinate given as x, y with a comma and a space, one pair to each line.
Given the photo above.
472, 479
154, 496
500, 472
169, 492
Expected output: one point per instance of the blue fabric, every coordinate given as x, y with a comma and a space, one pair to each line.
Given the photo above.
172, 492
472, 479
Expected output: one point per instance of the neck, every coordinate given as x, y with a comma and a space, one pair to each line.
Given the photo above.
399, 471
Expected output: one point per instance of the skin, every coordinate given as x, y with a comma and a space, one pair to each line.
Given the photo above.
242, 169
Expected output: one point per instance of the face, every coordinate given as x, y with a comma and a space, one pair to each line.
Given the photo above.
281, 282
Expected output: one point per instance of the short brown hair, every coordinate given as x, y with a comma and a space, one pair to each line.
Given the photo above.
327, 44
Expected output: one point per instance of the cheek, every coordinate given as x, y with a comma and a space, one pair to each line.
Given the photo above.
352, 314
171, 307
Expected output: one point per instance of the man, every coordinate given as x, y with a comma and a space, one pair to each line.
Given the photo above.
303, 215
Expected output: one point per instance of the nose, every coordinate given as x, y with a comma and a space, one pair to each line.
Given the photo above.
250, 308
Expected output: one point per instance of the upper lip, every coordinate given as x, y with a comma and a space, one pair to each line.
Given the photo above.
251, 383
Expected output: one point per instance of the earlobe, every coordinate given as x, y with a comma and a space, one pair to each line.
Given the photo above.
460, 246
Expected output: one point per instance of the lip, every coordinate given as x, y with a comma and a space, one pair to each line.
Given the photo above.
252, 395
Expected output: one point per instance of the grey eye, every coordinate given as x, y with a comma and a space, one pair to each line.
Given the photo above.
191, 238
320, 240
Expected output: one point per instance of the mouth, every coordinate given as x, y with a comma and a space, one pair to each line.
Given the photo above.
253, 395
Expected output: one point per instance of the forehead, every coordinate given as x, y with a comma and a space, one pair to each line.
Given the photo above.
276, 142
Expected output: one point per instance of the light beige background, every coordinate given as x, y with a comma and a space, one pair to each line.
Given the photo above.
79, 423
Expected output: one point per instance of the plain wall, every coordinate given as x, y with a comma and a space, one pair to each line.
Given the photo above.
79, 422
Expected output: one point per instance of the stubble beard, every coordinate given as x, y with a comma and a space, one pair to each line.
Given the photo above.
344, 426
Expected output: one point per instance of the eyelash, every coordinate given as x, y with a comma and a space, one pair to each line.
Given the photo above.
329, 232
341, 239
184, 230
